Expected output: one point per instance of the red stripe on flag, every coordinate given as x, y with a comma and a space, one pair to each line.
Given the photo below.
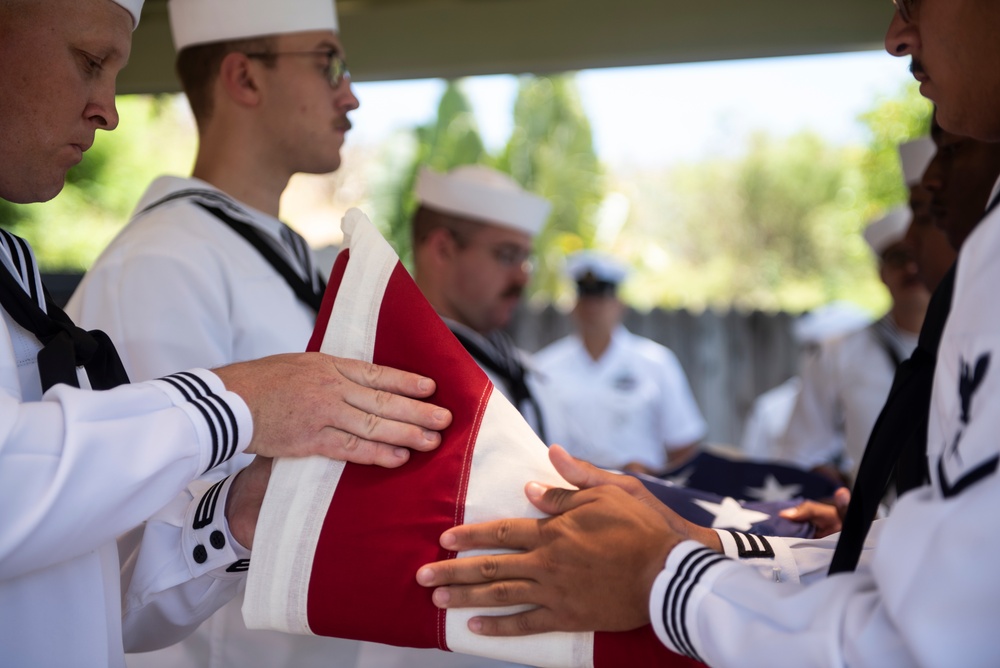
329, 297
640, 647
398, 515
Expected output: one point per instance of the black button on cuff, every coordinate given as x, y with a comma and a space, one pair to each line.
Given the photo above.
217, 539
200, 554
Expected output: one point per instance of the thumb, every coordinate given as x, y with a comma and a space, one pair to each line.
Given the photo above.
550, 500
578, 472
842, 499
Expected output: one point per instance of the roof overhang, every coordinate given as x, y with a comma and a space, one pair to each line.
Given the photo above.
407, 39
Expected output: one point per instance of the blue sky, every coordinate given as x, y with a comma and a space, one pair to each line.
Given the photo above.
657, 116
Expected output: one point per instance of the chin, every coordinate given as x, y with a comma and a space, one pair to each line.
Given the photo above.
34, 193
324, 167
984, 127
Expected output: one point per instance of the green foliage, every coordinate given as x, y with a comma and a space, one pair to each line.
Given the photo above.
551, 153
892, 121
450, 141
773, 229
69, 232
777, 228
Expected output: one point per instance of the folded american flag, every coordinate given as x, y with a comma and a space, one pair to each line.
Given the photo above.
337, 545
725, 512
750, 480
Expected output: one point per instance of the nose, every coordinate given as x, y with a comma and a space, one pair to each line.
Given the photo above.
933, 178
522, 273
902, 38
101, 109
346, 99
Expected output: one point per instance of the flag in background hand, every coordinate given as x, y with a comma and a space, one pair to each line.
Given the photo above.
725, 512
337, 545
750, 480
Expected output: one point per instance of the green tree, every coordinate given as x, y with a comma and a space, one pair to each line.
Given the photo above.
771, 229
551, 153
450, 141
892, 121
778, 227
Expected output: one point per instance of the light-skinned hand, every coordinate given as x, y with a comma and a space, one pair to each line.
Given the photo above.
314, 404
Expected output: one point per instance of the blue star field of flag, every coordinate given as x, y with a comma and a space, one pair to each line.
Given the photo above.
721, 493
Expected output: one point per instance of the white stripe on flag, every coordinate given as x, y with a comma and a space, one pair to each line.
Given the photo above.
508, 454
300, 490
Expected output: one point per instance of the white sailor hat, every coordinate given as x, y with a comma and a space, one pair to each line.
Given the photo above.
482, 194
888, 230
914, 156
595, 273
205, 21
133, 7
829, 320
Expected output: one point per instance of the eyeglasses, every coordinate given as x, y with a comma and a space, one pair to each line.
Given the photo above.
336, 69
507, 255
905, 9
510, 256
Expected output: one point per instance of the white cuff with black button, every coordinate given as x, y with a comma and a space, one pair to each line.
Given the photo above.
209, 548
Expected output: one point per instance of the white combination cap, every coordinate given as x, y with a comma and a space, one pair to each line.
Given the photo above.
828, 321
914, 156
888, 230
195, 22
596, 274
133, 7
484, 195
600, 266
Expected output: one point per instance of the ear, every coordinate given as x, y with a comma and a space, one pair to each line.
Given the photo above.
441, 245
238, 80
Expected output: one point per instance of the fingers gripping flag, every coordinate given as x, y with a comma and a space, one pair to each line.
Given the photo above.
338, 545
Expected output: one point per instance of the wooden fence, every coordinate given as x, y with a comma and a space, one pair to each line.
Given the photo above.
729, 358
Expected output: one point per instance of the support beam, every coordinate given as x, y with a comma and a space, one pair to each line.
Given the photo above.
406, 39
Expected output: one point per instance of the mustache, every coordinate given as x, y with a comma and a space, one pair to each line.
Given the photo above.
916, 67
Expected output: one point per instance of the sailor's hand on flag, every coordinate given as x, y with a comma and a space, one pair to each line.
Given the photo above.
584, 475
589, 567
314, 404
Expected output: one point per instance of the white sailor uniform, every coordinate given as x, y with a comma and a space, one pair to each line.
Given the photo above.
178, 287
843, 388
632, 405
77, 469
928, 594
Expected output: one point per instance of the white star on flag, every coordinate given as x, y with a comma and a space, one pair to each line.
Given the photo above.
774, 490
731, 515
